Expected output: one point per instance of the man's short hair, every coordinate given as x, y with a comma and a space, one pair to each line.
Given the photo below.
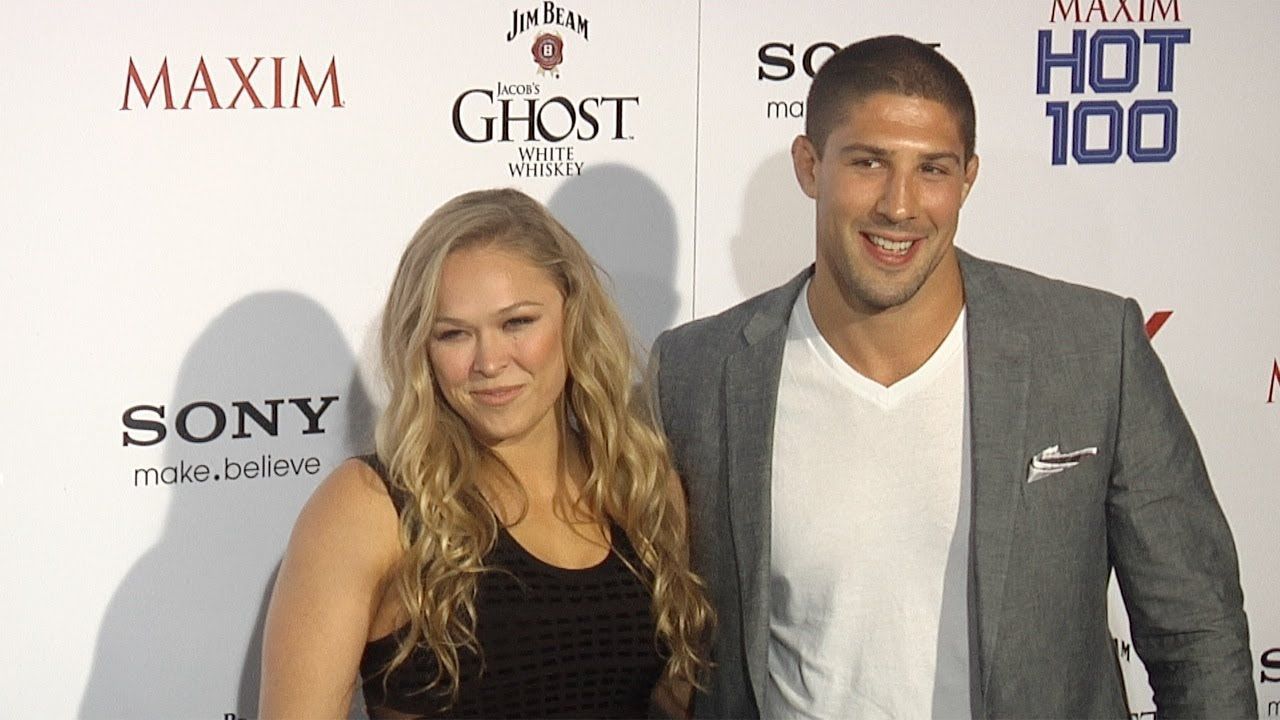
893, 64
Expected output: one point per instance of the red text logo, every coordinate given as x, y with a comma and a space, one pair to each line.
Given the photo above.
210, 90
1157, 321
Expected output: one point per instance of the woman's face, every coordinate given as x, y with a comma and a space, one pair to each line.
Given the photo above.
497, 345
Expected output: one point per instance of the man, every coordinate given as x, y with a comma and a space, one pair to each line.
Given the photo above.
912, 471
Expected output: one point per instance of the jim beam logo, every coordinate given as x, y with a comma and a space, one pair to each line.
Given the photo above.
548, 44
545, 127
548, 53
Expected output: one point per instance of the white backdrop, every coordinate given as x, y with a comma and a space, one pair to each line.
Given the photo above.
189, 287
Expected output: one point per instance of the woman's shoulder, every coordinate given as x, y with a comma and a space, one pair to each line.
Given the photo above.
351, 512
357, 485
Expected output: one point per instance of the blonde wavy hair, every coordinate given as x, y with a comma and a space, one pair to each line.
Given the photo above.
446, 527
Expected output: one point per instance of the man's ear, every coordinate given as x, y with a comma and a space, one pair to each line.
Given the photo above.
970, 177
804, 160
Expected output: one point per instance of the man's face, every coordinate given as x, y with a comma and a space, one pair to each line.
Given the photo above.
889, 186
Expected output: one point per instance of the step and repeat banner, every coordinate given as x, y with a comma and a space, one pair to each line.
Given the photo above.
202, 206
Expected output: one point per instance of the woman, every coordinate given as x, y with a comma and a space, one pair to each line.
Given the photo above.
516, 546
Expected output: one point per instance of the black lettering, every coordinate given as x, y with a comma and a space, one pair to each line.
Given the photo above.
508, 118
487, 135
568, 108
133, 422
313, 416
784, 109
272, 425
1271, 393
1123, 649
1270, 660
590, 119
149, 476
772, 60
618, 132
219, 422
809, 68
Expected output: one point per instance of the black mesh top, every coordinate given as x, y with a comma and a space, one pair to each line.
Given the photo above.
556, 643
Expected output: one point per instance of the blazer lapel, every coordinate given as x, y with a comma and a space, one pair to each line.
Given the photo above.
751, 398
999, 382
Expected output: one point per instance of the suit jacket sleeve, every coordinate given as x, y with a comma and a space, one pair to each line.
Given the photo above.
652, 391
1172, 550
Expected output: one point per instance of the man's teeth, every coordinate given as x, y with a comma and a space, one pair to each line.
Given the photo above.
890, 245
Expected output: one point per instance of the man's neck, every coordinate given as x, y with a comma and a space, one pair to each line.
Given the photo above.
888, 345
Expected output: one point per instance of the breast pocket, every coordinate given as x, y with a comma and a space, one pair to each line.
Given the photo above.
1065, 506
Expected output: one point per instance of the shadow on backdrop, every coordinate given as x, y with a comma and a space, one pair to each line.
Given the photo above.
775, 239
182, 635
627, 223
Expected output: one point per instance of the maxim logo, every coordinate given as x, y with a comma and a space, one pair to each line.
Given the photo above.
1115, 11
280, 83
1157, 321
203, 420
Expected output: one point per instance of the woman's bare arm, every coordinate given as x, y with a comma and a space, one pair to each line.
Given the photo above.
328, 590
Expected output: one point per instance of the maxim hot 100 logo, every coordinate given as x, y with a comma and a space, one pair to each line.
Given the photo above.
1118, 77
544, 124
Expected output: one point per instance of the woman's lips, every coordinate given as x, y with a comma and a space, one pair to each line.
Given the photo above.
495, 397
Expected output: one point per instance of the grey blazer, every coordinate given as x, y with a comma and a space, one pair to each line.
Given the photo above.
1049, 364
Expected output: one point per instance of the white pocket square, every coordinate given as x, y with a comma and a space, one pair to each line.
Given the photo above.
1051, 461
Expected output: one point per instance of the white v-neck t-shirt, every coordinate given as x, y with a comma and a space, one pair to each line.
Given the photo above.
869, 536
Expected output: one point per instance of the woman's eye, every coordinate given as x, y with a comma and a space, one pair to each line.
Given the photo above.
519, 321
448, 335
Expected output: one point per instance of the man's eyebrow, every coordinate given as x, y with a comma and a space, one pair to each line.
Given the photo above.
944, 155
879, 152
857, 147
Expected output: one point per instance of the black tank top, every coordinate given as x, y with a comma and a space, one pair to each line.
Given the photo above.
556, 643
